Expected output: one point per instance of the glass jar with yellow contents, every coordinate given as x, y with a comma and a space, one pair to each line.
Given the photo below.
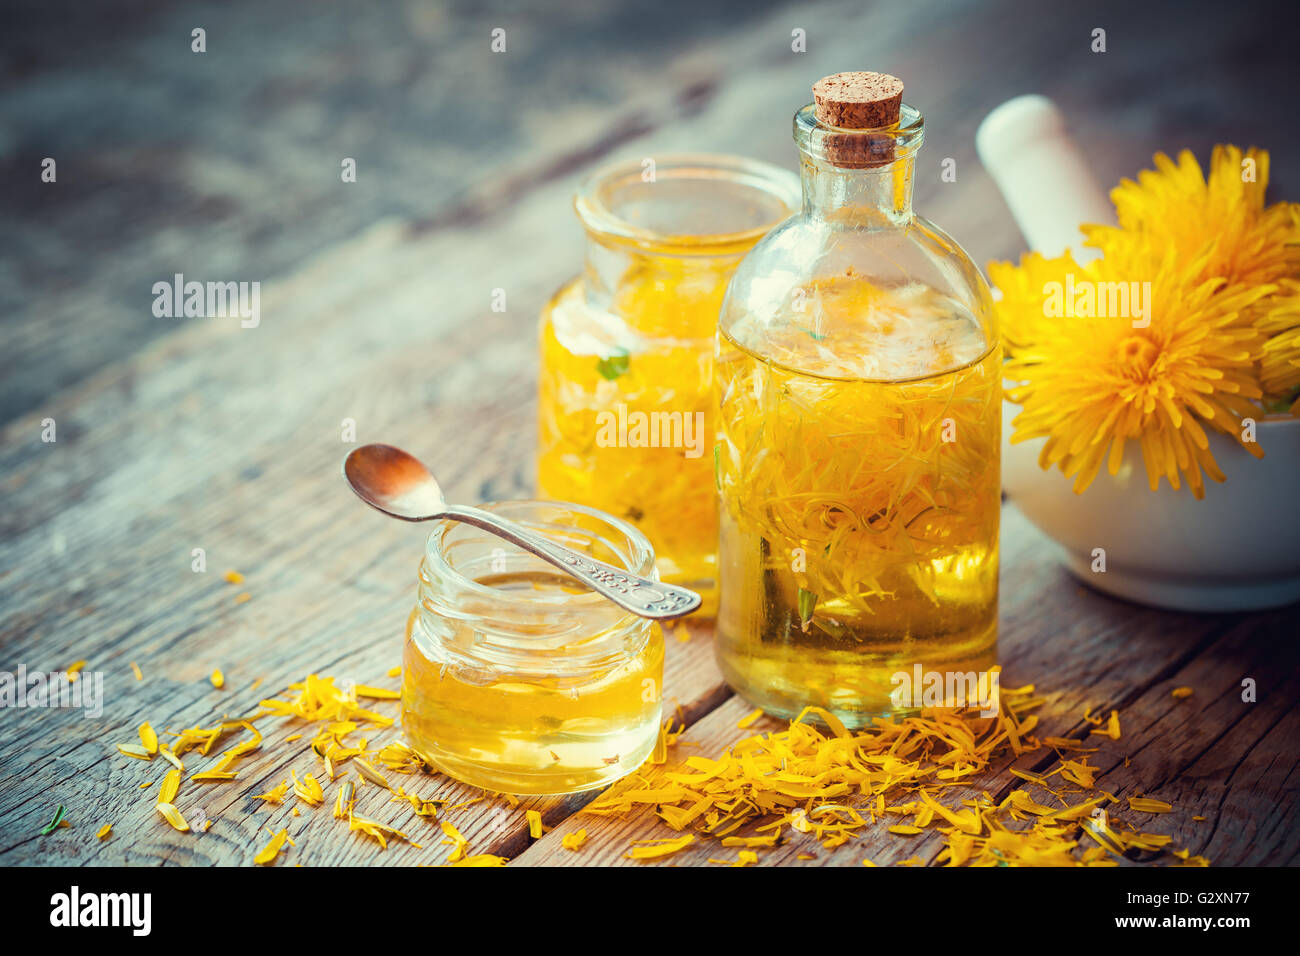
859, 387
515, 677
626, 416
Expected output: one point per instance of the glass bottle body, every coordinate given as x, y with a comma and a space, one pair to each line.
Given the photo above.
858, 380
625, 398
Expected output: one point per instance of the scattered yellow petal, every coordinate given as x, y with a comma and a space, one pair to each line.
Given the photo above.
749, 719
482, 859
572, 841
234, 577
135, 669
466, 803
395, 671
105, 831
769, 839
452, 833
378, 831
171, 758
744, 858
218, 679
371, 774
148, 738
1181, 693
422, 807
213, 775
653, 849
308, 789
535, 828
319, 699
1111, 729
343, 801
275, 794
832, 784
74, 670
377, 693
272, 849
173, 816
170, 786
243, 597
1147, 805
458, 843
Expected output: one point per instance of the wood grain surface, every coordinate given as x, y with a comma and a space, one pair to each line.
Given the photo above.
177, 434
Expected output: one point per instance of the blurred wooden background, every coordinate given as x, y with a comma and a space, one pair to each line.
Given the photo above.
226, 164
175, 434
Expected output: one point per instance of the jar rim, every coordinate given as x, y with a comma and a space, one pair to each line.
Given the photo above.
636, 554
592, 201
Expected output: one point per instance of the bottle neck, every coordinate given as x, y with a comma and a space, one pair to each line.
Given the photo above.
876, 197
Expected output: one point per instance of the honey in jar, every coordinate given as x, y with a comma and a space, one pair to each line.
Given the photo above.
515, 677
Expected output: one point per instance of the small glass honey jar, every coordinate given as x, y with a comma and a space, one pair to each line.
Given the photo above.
517, 678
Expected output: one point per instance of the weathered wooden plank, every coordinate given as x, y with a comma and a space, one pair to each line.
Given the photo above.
1217, 756
226, 164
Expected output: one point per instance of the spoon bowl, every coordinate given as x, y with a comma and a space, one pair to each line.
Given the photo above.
395, 482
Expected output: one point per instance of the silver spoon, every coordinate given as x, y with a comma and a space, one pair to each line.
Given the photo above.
398, 484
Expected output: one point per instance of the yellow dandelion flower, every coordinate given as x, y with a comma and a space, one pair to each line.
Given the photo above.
1221, 222
1091, 383
1218, 340
1279, 358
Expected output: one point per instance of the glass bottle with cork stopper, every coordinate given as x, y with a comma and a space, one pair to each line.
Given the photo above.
859, 415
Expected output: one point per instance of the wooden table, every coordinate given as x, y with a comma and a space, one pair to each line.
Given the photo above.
176, 435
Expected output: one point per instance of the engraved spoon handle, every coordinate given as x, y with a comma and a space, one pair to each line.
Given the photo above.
641, 596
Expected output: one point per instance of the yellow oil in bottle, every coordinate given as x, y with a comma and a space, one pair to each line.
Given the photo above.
858, 464
556, 717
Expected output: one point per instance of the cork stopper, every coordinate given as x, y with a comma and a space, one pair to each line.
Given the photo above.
858, 101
